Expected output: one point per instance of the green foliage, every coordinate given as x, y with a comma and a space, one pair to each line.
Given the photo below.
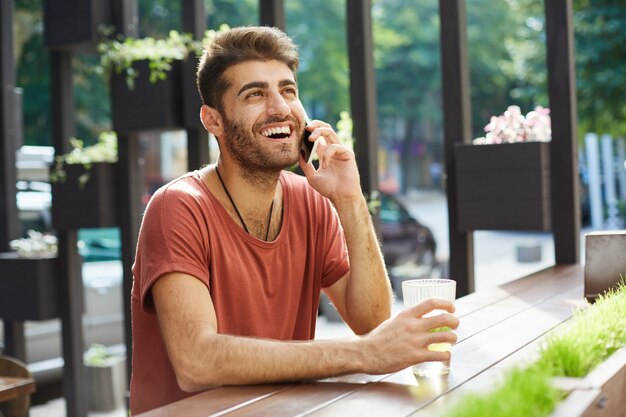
33, 72
523, 392
105, 150
120, 55
600, 65
594, 335
96, 355
591, 337
318, 27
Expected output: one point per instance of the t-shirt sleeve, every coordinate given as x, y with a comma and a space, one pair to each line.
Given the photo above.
171, 239
336, 261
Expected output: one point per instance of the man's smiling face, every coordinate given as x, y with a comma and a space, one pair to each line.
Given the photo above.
263, 116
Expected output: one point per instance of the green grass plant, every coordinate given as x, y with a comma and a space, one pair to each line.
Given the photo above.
593, 334
523, 392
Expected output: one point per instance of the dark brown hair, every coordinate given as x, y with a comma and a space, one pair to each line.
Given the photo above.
252, 43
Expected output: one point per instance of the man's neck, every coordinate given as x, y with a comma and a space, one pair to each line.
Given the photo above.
254, 197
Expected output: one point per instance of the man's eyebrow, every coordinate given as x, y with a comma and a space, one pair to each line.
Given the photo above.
253, 84
283, 83
263, 84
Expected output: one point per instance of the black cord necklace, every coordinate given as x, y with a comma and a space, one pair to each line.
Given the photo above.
269, 217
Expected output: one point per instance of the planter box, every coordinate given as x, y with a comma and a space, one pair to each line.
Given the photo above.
73, 24
94, 205
149, 106
28, 288
107, 384
503, 187
600, 393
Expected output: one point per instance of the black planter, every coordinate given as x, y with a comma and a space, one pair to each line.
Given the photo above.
73, 24
94, 205
148, 106
28, 288
503, 186
191, 96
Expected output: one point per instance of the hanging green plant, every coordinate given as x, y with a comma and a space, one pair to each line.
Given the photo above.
119, 54
105, 150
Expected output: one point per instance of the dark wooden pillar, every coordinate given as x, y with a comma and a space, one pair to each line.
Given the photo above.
457, 128
14, 341
125, 15
194, 22
363, 91
564, 145
130, 213
272, 13
9, 226
70, 285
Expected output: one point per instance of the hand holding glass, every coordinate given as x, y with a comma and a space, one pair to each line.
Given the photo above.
414, 292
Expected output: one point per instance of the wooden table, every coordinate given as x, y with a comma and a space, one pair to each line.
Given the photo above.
500, 327
12, 387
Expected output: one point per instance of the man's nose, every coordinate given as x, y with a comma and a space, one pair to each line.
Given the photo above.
277, 106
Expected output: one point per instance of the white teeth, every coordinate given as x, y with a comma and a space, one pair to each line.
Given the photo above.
276, 130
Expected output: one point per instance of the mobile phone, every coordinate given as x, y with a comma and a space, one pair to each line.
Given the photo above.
308, 148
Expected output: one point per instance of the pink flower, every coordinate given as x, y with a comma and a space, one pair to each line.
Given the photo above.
512, 126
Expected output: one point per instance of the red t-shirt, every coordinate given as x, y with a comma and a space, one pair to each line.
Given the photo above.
258, 288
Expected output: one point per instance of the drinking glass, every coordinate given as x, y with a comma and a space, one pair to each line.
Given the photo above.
414, 292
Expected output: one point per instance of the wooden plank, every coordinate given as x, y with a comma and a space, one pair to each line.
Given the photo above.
546, 280
498, 312
216, 401
12, 387
298, 400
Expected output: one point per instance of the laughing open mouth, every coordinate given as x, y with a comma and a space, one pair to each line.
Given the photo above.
277, 132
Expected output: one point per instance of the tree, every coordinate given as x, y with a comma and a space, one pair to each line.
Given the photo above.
601, 65
318, 27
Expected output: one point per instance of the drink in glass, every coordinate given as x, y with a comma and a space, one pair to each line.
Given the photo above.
414, 292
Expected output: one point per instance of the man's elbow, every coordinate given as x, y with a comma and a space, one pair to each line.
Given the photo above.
190, 380
376, 316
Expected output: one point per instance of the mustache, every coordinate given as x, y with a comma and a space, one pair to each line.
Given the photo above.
276, 119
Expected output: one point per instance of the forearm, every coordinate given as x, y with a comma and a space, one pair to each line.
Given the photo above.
368, 292
232, 360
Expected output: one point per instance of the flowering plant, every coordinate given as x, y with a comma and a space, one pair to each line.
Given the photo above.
513, 126
36, 245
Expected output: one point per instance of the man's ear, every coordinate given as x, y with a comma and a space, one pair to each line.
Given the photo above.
212, 120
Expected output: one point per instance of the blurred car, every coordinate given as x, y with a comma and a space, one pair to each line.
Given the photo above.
404, 238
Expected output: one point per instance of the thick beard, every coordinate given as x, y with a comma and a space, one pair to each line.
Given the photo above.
254, 160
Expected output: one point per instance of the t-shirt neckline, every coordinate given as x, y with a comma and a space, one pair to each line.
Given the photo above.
223, 213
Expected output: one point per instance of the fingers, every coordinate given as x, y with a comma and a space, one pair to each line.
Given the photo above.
441, 320
322, 129
427, 306
339, 152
